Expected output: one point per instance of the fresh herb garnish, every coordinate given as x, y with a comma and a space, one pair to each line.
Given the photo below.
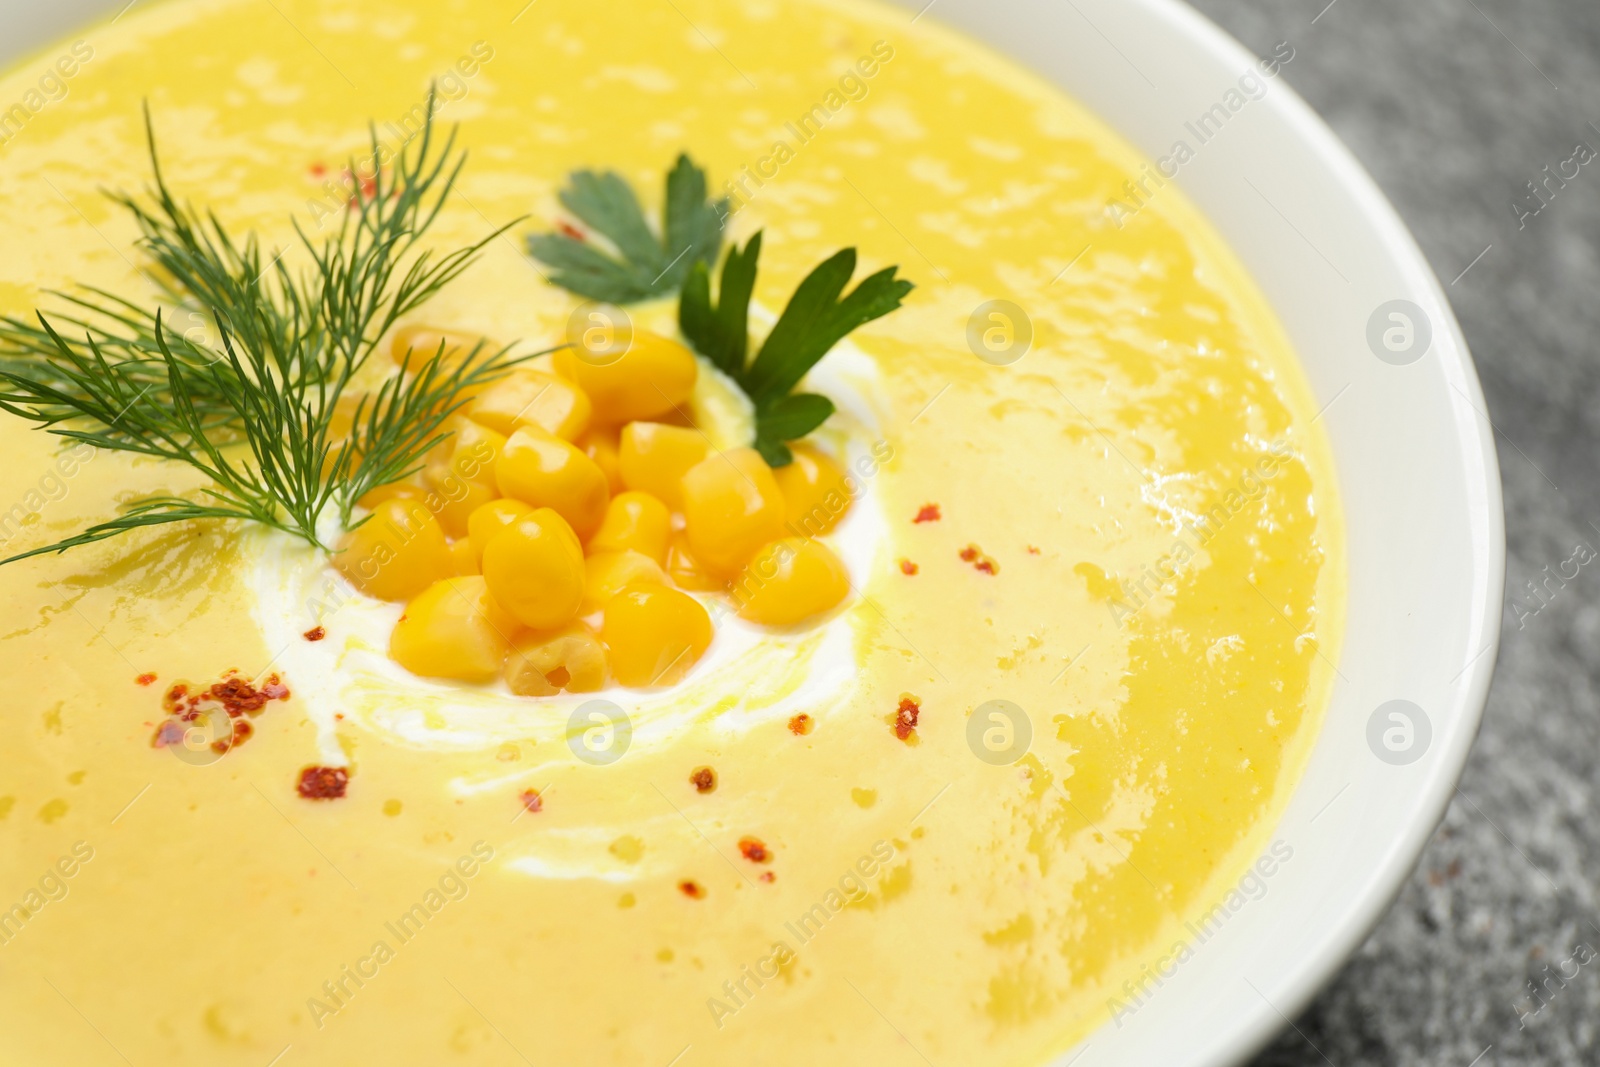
646, 265
816, 319
255, 411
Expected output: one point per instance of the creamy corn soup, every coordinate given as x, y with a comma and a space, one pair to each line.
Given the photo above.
1068, 629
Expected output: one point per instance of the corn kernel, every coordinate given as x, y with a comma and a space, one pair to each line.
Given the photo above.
653, 458
341, 422
534, 568
654, 635
543, 664
392, 491
456, 500
453, 629
491, 518
653, 376
600, 444
416, 344
790, 581
461, 473
543, 470
396, 553
815, 496
532, 398
731, 507
343, 419
464, 558
636, 521
608, 573
685, 571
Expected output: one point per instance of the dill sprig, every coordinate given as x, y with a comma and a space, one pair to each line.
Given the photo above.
255, 410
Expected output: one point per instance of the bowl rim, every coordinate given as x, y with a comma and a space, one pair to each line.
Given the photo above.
1382, 886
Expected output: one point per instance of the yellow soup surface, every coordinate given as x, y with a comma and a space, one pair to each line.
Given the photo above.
1106, 576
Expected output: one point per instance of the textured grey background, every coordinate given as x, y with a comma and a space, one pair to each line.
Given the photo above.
1453, 105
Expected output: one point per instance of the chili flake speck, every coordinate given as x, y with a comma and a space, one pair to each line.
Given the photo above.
800, 725
905, 717
1033, 550
907, 567
754, 850
570, 230
145, 679
974, 555
323, 783
692, 890
316, 633
928, 513
704, 779
531, 801
767, 876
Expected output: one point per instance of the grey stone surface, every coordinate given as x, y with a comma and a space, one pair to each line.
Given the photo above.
1453, 105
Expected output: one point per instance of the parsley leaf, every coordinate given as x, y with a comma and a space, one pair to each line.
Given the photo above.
786, 419
722, 335
649, 266
816, 318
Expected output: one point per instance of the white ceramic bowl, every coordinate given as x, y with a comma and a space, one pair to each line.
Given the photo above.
1417, 471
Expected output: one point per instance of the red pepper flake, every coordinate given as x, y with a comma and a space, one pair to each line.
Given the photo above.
907, 567
691, 889
231, 694
800, 725
323, 783
318, 170
905, 717
238, 734
929, 513
316, 633
767, 876
168, 733
974, 555
1033, 550
754, 850
704, 779
532, 801
571, 231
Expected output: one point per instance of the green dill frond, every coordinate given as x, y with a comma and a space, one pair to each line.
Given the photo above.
254, 410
